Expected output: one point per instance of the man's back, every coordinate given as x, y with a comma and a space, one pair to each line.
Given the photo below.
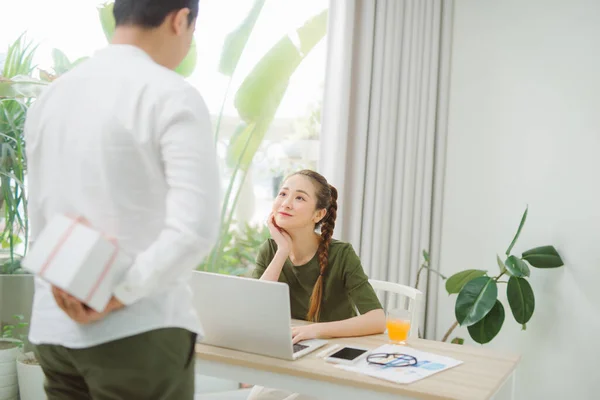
105, 142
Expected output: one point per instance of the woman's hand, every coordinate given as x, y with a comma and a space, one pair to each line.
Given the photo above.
312, 331
281, 237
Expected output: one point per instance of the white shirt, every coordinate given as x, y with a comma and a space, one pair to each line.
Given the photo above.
127, 144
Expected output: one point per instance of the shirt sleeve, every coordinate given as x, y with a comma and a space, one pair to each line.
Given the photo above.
263, 259
187, 151
34, 208
357, 284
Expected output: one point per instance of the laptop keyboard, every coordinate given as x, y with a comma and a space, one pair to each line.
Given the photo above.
298, 347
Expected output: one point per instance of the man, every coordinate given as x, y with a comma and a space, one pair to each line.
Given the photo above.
126, 143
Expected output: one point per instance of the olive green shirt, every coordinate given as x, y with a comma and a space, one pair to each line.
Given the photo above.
346, 286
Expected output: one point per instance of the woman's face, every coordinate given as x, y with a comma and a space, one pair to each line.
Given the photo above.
295, 205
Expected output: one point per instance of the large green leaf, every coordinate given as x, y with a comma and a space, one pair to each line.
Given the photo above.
543, 257
188, 65
261, 91
523, 219
61, 61
516, 267
236, 40
487, 328
475, 300
245, 142
521, 299
107, 20
456, 282
21, 87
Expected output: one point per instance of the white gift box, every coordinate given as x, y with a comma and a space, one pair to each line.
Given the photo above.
77, 259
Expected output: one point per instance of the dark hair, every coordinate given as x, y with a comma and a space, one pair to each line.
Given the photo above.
150, 13
326, 199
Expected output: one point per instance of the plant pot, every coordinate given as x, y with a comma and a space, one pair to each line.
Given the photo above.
31, 377
7, 380
9, 393
9, 350
8, 368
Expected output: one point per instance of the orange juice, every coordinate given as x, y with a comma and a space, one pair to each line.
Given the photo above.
398, 329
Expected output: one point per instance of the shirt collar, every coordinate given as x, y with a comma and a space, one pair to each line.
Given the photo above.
124, 50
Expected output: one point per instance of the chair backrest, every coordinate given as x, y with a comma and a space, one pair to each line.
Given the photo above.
414, 296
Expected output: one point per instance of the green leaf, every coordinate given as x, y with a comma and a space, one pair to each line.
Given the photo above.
245, 142
426, 256
521, 299
188, 65
523, 219
261, 91
487, 328
500, 264
236, 40
458, 340
456, 282
107, 20
516, 267
19, 58
21, 87
475, 300
61, 61
543, 257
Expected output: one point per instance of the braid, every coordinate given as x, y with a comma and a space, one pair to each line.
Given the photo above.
328, 223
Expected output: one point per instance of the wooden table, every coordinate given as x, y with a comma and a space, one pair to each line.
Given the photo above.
481, 375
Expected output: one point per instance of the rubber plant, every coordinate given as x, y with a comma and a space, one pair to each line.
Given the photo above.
477, 306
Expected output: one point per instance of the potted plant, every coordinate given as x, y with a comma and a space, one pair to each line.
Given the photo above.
11, 346
26, 375
477, 305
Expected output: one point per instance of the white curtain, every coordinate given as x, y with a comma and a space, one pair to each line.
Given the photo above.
383, 141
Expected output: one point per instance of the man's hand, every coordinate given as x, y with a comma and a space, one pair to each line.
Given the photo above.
305, 332
80, 312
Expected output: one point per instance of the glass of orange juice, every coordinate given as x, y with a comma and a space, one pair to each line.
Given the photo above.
398, 325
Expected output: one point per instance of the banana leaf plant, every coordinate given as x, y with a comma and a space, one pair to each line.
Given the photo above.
256, 101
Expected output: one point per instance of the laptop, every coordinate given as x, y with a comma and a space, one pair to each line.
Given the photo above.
248, 315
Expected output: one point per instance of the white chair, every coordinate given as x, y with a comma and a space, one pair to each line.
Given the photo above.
414, 296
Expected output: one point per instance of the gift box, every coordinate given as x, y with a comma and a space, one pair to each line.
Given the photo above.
78, 259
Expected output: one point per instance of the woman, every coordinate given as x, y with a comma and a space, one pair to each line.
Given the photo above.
326, 281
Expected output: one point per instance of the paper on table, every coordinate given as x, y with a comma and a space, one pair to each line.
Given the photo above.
427, 365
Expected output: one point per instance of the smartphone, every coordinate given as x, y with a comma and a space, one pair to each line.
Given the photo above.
347, 355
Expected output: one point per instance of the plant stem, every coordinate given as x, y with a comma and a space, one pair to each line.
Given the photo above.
452, 328
419, 275
225, 226
499, 276
218, 124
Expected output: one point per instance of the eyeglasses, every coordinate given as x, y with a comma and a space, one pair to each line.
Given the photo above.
391, 359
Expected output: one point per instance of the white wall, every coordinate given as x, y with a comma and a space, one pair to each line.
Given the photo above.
524, 128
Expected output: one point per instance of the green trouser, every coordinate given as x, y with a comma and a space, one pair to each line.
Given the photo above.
156, 365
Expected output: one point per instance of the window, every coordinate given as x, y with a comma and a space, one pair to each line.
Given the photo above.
281, 116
